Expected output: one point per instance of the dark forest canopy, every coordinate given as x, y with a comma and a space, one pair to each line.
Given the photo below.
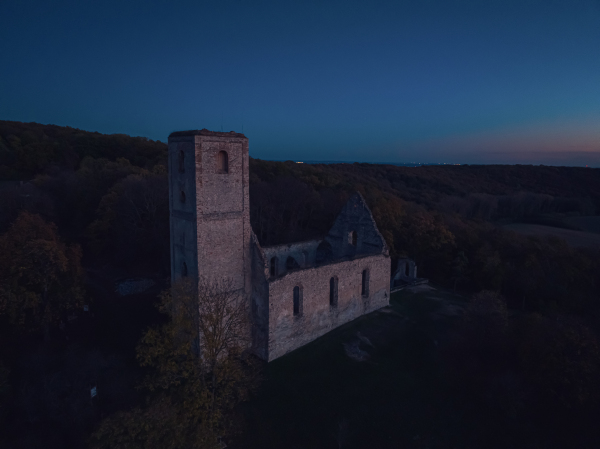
28, 149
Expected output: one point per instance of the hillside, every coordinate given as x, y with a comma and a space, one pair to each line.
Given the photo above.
28, 149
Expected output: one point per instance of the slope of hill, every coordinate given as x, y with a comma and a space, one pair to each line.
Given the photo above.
27, 149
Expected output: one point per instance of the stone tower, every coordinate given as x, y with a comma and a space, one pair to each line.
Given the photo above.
209, 207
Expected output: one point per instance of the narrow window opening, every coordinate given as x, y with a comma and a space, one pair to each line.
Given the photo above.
352, 238
184, 270
365, 283
297, 301
333, 291
182, 196
273, 266
407, 270
181, 161
222, 162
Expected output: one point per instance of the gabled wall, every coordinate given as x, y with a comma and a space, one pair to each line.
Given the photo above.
355, 216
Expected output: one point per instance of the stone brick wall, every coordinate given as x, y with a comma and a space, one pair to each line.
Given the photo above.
355, 216
182, 213
223, 210
304, 253
288, 332
259, 301
210, 220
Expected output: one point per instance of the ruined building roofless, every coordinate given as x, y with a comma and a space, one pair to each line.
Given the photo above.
295, 292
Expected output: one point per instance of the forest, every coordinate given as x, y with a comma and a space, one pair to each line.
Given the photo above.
82, 211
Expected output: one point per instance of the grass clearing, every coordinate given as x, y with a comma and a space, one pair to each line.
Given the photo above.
587, 224
573, 238
320, 397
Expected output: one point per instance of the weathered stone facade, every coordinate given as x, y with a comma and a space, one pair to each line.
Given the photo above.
209, 205
296, 292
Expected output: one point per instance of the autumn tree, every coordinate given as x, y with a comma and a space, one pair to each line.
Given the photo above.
4, 389
41, 278
132, 224
460, 268
200, 371
560, 357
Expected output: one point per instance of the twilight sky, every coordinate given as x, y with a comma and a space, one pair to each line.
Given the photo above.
391, 81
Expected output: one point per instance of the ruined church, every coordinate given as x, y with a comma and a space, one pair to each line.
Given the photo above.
295, 292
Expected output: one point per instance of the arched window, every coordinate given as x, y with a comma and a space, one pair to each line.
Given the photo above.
291, 264
181, 161
182, 196
222, 162
274, 270
184, 270
333, 291
352, 238
407, 269
365, 283
297, 300
324, 252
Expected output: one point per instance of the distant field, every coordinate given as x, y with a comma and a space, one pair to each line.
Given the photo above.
574, 238
588, 224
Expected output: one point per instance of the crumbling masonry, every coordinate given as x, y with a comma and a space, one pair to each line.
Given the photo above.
296, 292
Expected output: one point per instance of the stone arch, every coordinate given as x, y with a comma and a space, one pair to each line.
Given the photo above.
297, 300
222, 162
324, 252
291, 264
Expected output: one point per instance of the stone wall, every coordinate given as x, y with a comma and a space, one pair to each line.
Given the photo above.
304, 253
355, 217
182, 167
406, 271
259, 301
288, 332
223, 209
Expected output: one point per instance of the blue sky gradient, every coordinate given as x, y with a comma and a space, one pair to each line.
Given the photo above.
427, 81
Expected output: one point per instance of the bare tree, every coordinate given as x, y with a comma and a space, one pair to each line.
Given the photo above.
201, 370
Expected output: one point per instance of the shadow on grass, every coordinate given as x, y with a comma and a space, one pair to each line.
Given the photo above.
319, 397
